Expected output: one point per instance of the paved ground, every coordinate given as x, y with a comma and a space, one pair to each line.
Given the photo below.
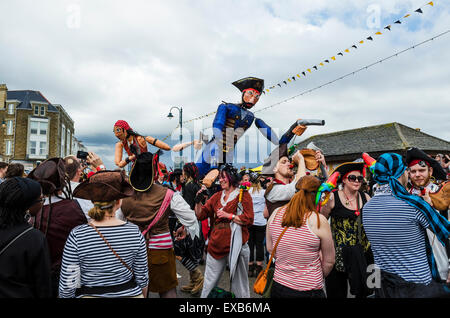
223, 283
184, 280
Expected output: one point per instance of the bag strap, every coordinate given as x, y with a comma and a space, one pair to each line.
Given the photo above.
273, 251
15, 239
110, 247
358, 220
162, 209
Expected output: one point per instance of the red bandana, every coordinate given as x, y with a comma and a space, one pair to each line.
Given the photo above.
416, 161
123, 124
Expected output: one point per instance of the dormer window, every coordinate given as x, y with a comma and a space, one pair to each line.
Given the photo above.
36, 110
42, 110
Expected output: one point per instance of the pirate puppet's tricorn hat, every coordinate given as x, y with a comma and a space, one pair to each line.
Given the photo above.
250, 82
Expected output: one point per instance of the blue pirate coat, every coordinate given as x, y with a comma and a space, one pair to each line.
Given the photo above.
230, 123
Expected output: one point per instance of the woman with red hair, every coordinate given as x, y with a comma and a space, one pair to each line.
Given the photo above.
305, 252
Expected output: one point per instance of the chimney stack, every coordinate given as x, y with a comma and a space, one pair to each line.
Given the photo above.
3, 91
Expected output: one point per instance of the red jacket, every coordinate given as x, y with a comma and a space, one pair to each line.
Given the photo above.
219, 240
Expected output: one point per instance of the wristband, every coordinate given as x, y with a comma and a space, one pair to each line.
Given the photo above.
127, 160
101, 167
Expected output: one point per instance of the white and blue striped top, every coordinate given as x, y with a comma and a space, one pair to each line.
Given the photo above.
88, 261
397, 234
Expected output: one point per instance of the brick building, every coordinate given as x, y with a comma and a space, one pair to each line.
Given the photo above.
33, 129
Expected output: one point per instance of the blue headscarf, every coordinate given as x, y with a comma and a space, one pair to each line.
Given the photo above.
388, 168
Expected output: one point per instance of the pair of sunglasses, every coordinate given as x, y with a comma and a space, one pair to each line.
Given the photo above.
353, 178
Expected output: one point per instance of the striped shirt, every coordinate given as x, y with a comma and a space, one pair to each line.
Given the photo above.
88, 261
396, 232
160, 241
298, 264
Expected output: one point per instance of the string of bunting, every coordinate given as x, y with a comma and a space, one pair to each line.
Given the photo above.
330, 82
293, 78
353, 72
341, 53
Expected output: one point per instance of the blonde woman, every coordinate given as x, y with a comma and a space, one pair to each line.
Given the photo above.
257, 230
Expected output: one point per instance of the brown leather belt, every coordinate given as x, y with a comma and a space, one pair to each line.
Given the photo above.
222, 226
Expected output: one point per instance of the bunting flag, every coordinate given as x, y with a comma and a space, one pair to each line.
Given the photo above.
361, 42
267, 90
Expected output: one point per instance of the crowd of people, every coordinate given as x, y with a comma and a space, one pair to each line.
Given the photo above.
71, 228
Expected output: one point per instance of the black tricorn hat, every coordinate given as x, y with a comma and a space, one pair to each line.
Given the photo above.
250, 82
347, 167
144, 170
416, 153
104, 186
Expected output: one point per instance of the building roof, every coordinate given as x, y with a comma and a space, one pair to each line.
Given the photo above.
27, 96
375, 140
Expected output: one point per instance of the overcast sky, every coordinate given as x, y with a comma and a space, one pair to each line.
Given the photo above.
110, 60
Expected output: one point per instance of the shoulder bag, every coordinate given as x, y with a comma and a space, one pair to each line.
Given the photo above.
263, 283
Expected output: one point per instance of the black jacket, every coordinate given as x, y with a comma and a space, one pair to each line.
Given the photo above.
25, 265
189, 193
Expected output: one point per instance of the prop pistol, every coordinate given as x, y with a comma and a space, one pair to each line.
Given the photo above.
311, 122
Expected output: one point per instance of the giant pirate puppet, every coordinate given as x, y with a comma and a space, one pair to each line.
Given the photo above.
135, 146
231, 122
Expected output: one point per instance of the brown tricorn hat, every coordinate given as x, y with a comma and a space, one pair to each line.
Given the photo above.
310, 159
104, 186
51, 174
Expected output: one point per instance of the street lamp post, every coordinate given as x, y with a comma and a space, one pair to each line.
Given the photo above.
180, 109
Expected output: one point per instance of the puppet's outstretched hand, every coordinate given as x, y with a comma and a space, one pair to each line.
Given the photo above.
299, 130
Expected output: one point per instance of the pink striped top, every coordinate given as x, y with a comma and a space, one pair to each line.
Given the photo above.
160, 241
298, 264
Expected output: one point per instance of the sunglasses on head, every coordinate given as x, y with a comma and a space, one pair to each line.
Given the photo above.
422, 163
353, 178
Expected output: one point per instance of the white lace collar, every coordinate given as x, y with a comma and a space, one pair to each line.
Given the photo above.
231, 197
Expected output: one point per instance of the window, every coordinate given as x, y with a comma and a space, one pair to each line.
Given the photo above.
43, 148
8, 147
34, 126
10, 109
36, 110
37, 146
68, 142
9, 127
43, 128
42, 110
63, 141
33, 148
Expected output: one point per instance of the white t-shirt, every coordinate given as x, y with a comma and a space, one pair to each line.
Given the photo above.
85, 205
259, 203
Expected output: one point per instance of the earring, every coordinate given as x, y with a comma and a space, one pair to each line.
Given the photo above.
27, 216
